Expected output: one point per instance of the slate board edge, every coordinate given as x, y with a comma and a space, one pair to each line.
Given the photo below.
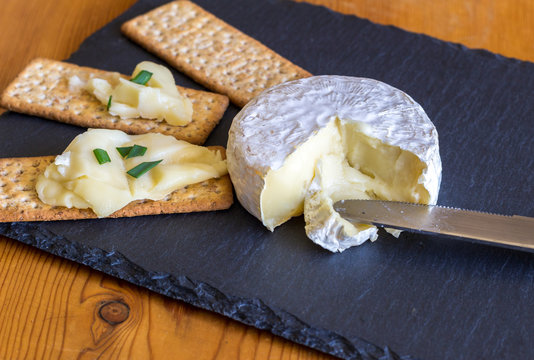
251, 312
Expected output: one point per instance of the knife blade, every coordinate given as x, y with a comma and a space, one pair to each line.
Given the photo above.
501, 230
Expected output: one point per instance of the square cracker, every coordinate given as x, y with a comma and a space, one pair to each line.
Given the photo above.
19, 200
42, 89
210, 51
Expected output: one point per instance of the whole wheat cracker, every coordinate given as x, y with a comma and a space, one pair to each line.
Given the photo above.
212, 52
42, 89
19, 200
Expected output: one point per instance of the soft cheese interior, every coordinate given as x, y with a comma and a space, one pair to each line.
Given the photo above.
76, 179
340, 162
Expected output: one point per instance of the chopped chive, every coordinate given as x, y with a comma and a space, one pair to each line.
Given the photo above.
109, 103
101, 156
142, 77
142, 168
137, 150
131, 151
124, 150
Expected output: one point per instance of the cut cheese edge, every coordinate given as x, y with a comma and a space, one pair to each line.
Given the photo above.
359, 167
302, 145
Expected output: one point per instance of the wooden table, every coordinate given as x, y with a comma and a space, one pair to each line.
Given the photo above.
53, 308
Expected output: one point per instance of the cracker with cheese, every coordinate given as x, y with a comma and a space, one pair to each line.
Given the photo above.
81, 185
56, 90
210, 51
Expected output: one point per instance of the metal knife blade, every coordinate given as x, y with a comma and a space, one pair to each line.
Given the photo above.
508, 231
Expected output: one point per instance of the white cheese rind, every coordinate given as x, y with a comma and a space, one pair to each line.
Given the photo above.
278, 121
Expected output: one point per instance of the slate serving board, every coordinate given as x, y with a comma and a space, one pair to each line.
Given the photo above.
414, 297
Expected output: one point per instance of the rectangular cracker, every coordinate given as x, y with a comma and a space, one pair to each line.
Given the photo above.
19, 201
42, 89
210, 51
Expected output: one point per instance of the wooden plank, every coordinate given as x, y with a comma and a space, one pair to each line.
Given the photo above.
52, 308
503, 27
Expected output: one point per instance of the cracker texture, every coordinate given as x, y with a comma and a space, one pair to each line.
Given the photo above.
210, 51
19, 200
42, 89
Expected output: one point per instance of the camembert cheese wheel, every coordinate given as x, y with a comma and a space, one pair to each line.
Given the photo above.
300, 146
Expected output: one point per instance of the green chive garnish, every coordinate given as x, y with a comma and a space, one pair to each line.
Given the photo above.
131, 151
137, 150
124, 150
142, 168
142, 77
101, 156
109, 103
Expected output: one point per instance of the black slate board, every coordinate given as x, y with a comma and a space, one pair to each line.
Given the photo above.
422, 296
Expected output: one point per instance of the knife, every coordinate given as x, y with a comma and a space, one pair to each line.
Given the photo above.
501, 230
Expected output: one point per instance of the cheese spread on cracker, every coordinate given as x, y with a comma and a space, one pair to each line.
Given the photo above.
81, 179
150, 94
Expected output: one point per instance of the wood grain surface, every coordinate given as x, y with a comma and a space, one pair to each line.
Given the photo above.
51, 308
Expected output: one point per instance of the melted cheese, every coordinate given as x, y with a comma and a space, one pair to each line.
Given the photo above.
76, 179
159, 99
